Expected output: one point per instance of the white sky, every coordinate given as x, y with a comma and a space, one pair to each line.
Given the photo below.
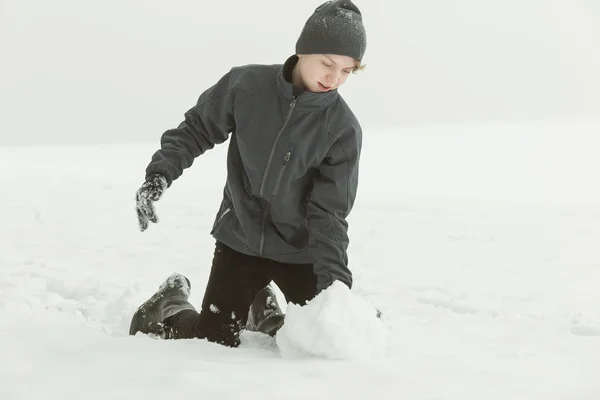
119, 71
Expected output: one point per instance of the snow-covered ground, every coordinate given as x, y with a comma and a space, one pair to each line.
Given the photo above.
479, 244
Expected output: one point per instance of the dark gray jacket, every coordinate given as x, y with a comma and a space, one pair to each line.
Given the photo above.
292, 166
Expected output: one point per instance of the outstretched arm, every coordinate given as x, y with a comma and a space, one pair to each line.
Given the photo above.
208, 123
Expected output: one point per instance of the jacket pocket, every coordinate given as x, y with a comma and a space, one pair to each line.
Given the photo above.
286, 161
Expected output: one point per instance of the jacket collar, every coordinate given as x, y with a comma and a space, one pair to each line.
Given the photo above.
306, 99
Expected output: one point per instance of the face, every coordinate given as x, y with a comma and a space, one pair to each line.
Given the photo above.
324, 72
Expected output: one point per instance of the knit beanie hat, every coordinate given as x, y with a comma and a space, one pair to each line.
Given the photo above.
334, 28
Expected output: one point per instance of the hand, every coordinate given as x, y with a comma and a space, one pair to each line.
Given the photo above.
146, 195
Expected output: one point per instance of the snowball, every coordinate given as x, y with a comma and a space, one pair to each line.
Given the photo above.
336, 324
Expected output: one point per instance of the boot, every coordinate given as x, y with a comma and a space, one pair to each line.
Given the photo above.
171, 298
265, 315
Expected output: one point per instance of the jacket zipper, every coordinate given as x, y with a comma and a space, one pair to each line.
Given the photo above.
264, 180
223, 214
228, 208
287, 119
286, 159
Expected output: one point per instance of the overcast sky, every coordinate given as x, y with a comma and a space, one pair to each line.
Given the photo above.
76, 71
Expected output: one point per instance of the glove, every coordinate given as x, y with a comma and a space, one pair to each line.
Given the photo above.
147, 194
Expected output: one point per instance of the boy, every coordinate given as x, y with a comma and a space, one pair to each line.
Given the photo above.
292, 174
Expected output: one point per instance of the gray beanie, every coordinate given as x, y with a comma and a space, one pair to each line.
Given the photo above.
334, 28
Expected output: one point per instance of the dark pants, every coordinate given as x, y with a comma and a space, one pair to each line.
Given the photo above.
234, 281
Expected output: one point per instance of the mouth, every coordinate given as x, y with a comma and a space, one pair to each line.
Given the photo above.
323, 87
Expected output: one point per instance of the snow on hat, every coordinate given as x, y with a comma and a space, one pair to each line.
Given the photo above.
334, 28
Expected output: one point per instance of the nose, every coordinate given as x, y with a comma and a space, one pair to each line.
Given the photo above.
333, 77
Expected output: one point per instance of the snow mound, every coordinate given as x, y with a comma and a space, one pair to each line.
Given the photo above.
336, 324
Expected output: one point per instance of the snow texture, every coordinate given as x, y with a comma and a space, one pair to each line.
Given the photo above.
177, 281
337, 324
482, 254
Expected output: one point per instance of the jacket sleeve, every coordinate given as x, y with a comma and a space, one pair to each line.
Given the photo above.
208, 123
329, 203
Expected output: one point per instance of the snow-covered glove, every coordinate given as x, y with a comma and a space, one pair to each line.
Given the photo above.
147, 194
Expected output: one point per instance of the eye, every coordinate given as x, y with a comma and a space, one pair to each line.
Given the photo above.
347, 71
327, 65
